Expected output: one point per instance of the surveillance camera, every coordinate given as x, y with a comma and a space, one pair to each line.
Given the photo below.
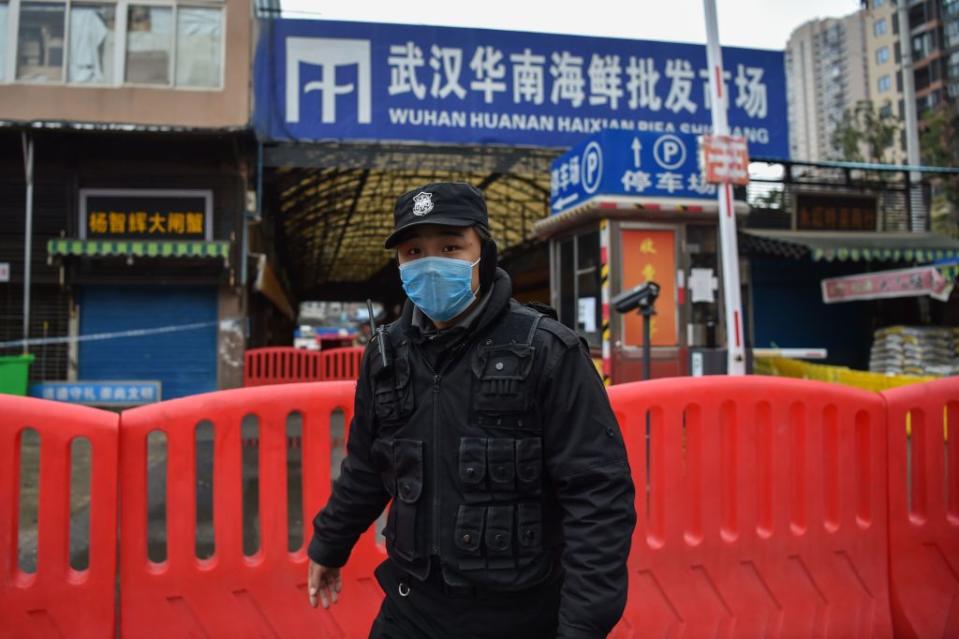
642, 297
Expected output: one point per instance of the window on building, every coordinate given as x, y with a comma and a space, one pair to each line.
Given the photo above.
885, 83
952, 71
878, 3
879, 27
951, 34
40, 41
92, 43
950, 7
198, 43
882, 55
149, 44
886, 110
3, 39
81, 42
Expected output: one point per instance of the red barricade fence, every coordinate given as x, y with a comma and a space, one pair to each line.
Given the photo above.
230, 593
761, 509
342, 363
761, 504
287, 365
924, 508
281, 365
56, 600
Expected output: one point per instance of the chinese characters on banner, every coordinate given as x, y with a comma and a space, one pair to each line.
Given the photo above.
661, 165
132, 393
338, 80
725, 158
131, 215
650, 255
910, 282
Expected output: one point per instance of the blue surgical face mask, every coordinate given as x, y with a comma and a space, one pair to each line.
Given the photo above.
441, 287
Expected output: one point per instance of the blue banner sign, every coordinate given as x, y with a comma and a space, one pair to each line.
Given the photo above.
624, 163
320, 80
120, 393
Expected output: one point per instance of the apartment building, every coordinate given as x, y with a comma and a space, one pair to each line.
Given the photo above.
826, 73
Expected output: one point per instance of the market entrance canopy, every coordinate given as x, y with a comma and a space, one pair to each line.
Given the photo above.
850, 246
351, 115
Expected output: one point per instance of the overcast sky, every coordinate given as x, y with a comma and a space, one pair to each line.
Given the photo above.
764, 24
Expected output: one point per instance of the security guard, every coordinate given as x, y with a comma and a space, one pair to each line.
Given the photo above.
486, 424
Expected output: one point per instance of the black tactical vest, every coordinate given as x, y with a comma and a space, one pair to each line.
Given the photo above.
460, 450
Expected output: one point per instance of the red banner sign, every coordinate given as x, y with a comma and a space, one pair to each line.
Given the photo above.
907, 282
725, 159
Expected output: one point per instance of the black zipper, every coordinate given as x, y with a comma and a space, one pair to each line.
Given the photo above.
437, 377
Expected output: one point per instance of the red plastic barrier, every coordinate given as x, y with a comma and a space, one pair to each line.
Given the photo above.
230, 594
56, 600
342, 363
924, 508
761, 507
281, 365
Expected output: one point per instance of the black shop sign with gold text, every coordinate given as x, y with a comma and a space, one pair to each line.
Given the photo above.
154, 214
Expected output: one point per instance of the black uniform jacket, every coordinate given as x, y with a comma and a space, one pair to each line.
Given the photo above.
501, 456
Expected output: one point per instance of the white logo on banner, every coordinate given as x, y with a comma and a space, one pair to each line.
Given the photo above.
328, 53
422, 203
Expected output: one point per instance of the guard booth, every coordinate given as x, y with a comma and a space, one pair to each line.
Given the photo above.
626, 208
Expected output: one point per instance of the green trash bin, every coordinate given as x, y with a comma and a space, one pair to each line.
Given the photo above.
14, 372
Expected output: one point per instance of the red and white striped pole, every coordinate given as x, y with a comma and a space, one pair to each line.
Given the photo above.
728, 251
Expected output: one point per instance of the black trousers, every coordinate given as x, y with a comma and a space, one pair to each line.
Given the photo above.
414, 609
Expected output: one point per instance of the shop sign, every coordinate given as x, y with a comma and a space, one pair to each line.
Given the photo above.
908, 282
104, 393
725, 159
638, 164
326, 80
835, 213
142, 214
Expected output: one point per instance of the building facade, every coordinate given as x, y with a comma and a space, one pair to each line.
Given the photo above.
882, 56
826, 74
137, 120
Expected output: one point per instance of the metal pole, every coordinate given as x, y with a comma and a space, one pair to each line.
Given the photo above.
647, 314
729, 251
914, 197
27, 235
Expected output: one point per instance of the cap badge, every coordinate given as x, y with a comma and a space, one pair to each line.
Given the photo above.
422, 203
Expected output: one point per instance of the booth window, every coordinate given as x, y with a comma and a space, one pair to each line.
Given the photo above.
580, 304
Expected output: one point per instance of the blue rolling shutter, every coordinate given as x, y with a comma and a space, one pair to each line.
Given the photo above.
184, 361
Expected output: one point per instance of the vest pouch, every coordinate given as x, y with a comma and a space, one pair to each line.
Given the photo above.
529, 465
499, 537
381, 453
472, 468
502, 373
392, 391
529, 528
468, 536
408, 465
501, 456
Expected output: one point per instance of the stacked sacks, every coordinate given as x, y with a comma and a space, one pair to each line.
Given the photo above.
914, 350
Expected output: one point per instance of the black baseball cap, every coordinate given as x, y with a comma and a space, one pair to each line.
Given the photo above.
447, 203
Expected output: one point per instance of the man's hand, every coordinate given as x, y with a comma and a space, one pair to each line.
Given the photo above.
323, 581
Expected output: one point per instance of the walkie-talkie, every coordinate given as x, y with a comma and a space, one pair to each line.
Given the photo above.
379, 332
